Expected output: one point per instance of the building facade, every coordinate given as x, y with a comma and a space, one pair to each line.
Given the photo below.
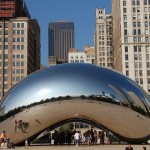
19, 50
60, 40
13, 8
131, 37
103, 39
88, 56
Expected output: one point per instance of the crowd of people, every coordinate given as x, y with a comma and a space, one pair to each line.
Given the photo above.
89, 137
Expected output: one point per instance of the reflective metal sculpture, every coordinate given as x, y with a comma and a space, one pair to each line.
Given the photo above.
76, 91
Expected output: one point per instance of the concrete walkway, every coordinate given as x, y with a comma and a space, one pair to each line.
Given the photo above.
83, 147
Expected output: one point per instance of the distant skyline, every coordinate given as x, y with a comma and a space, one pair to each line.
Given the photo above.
81, 12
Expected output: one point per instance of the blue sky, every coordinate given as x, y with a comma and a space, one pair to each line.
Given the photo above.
81, 12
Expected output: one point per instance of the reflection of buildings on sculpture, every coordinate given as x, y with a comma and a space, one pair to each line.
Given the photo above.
88, 56
77, 92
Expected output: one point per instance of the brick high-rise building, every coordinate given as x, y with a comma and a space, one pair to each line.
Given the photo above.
19, 49
13, 8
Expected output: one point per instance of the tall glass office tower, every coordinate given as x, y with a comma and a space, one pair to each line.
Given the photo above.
60, 40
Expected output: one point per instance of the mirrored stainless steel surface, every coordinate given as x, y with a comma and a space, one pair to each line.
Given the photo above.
105, 96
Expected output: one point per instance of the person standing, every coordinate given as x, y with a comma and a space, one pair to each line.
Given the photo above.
129, 147
3, 137
26, 144
77, 138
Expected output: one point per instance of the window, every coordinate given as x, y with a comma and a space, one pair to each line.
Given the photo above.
138, 9
141, 80
18, 47
22, 32
124, 3
146, 39
126, 56
18, 25
124, 10
22, 47
14, 39
126, 49
138, 2
139, 39
22, 25
6, 39
135, 57
133, 2
134, 9
146, 16
18, 39
136, 65
145, 9
145, 2
6, 25
138, 24
127, 65
14, 25
140, 64
140, 73
22, 39
6, 47
6, 32
139, 31
0, 32
5, 56
134, 24
5, 71
125, 24
18, 32
134, 39
134, 31
146, 24
5, 64
125, 39
125, 17
14, 47
148, 72
134, 16
14, 32
127, 72
135, 48
125, 32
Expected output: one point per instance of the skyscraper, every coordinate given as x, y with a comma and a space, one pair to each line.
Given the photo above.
60, 40
19, 47
103, 39
131, 37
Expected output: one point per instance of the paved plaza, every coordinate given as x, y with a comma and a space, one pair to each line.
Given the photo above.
83, 147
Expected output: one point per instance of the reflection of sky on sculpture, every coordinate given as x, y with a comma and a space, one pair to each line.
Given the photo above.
68, 79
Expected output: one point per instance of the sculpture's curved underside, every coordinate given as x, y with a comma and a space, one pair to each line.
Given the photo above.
71, 91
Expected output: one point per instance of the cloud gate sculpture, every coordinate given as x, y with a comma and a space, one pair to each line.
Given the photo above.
76, 91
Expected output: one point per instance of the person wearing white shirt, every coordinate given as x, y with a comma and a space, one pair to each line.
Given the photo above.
77, 138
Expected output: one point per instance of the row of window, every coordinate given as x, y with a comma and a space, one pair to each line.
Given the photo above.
77, 61
137, 57
18, 56
18, 71
137, 39
18, 63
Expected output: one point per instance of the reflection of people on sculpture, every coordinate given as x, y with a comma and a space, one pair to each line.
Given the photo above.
3, 138
21, 125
